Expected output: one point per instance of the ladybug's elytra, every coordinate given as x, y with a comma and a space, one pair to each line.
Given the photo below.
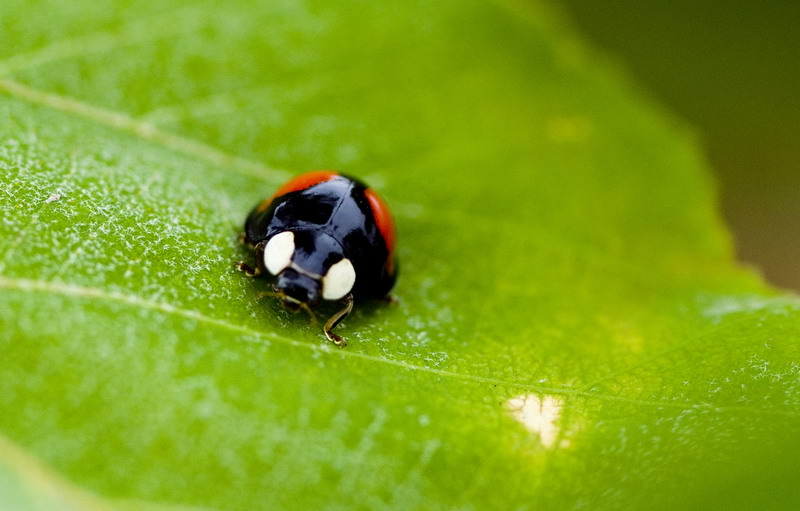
323, 236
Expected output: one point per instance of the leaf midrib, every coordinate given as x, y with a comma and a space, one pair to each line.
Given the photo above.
75, 291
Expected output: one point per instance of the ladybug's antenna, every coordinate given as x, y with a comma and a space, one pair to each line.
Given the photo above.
310, 312
282, 296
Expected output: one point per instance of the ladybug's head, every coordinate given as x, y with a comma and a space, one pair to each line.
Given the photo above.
295, 289
309, 267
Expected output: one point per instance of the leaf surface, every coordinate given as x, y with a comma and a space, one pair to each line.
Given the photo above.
572, 331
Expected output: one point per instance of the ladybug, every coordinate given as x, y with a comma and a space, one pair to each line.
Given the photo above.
323, 236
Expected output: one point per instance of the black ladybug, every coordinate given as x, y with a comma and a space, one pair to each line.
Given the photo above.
323, 236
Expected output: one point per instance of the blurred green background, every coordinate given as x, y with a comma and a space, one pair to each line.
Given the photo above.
731, 69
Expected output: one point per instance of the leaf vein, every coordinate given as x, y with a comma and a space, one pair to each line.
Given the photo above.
180, 21
73, 290
143, 130
687, 344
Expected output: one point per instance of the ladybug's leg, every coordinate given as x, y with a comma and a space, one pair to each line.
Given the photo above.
249, 270
336, 319
389, 299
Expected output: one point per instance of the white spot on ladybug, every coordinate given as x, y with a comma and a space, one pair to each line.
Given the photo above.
278, 252
339, 280
538, 415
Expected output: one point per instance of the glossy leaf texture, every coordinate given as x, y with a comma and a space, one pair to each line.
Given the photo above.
572, 329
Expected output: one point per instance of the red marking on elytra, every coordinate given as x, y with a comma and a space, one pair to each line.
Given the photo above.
383, 218
300, 182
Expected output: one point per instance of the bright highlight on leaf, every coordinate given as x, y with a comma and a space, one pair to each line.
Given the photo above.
572, 329
539, 416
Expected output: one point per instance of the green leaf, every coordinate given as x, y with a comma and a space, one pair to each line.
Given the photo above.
572, 331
